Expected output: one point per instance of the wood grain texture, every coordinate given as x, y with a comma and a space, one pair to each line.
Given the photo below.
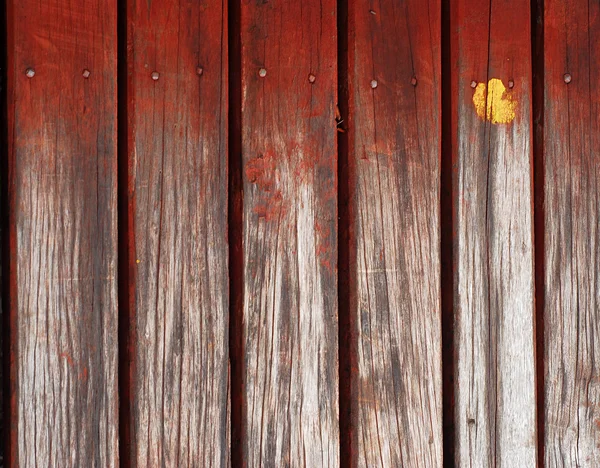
571, 170
289, 237
495, 412
177, 124
394, 157
63, 165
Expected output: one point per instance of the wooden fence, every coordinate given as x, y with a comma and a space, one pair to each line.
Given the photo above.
301, 233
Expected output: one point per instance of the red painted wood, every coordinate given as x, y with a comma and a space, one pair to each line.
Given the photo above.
394, 125
174, 272
63, 232
571, 238
289, 233
177, 227
495, 412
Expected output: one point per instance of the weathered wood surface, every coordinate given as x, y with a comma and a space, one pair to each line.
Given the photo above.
394, 127
63, 234
495, 412
289, 233
177, 206
571, 171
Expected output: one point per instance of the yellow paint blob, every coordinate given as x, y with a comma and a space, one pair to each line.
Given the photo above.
494, 103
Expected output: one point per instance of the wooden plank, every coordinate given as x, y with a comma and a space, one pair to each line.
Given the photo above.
63, 236
571, 172
289, 81
5, 381
394, 126
495, 413
178, 303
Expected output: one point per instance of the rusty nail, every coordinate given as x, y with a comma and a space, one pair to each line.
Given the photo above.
413, 81
567, 78
30, 73
312, 78
374, 84
199, 71
262, 72
511, 84
86, 73
155, 75
473, 84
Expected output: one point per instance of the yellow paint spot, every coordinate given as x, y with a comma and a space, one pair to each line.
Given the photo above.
138, 261
496, 105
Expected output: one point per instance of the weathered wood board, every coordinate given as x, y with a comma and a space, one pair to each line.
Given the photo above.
494, 336
571, 238
177, 227
290, 317
187, 211
62, 111
394, 129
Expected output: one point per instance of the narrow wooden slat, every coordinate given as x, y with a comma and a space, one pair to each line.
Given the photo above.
63, 160
495, 413
289, 237
178, 301
571, 172
394, 156
5, 383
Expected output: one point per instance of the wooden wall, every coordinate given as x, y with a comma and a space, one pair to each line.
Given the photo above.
318, 233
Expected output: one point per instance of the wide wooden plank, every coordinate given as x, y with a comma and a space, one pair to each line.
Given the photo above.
394, 126
289, 80
63, 234
495, 412
177, 210
571, 173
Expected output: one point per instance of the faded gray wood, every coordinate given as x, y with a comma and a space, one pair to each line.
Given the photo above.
495, 392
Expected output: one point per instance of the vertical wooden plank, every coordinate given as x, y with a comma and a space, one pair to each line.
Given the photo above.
289, 80
571, 172
5, 383
493, 272
62, 150
177, 130
394, 158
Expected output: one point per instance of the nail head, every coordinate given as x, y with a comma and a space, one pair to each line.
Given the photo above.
567, 78
199, 71
312, 78
473, 84
374, 84
30, 73
413, 81
511, 84
372, 12
155, 76
86, 73
262, 72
